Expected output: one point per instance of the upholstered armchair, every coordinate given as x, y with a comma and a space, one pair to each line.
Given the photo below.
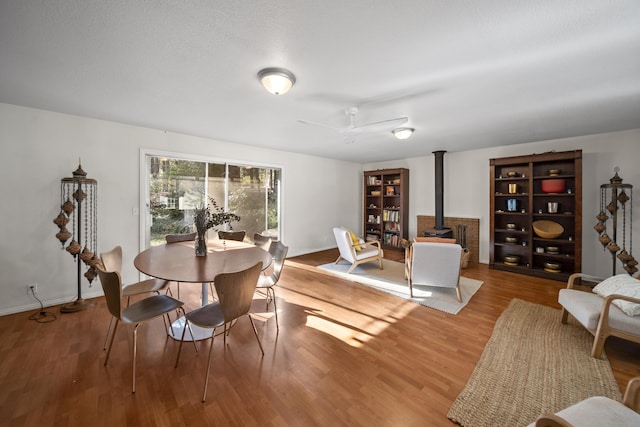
598, 411
355, 250
434, 264
607, 311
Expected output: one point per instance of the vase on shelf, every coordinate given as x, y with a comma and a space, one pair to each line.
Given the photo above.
201, 244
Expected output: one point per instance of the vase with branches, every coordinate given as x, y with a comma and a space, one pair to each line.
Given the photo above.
209, 217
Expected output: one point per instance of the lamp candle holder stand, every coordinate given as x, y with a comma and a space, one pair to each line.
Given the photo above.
78, 197
616, 197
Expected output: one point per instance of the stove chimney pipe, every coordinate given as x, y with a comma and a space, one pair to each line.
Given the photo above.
439, 181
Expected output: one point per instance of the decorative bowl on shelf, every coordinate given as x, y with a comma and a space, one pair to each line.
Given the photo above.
511, 239
547, 229
554, 172
511, 259
553, 185
552, 267
512, 174
553, 250
511, 226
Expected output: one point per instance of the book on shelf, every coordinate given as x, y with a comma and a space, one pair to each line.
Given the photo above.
391, 239
391, 226
391, 215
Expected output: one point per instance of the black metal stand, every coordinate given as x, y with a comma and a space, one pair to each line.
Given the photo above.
618, 199
79, 178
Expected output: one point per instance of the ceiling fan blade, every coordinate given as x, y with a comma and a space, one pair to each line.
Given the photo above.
382, 126
319, 125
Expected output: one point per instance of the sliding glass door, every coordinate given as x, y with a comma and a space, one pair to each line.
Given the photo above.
175, 186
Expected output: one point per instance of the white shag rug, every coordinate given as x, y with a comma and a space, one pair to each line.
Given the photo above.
391, 280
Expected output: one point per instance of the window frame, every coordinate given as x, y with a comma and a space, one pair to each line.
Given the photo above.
144, 185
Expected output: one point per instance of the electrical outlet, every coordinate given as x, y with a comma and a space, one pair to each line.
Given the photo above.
31, 286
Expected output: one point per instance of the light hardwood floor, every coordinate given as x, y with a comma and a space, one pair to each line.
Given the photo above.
346, 355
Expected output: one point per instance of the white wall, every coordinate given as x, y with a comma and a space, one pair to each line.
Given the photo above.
466, 186
38, 148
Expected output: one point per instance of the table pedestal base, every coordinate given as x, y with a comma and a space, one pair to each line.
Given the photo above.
199, 334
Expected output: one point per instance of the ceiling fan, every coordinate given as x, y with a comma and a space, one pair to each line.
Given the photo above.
351, 131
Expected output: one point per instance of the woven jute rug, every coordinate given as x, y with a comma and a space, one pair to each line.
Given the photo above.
532, 364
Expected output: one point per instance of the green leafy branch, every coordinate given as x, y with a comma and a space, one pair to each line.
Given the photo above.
212, 216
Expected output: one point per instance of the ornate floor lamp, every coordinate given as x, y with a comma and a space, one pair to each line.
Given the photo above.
613, 199
78, 205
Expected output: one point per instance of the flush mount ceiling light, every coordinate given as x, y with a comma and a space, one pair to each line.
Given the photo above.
403, 133
278, 81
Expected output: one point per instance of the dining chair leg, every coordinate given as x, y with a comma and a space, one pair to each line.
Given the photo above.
267, 298
106, 338
164, 321
113, 335
193, 340
135, 351
255, 331
182, 340
188, 325
275, 307
206, 377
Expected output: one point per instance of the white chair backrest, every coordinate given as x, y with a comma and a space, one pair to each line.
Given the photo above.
343, 239
436, 264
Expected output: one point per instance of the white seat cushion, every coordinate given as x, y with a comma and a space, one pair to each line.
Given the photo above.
599, 411
586, 307
367, 252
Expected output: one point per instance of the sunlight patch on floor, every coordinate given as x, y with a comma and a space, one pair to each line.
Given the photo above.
362, 330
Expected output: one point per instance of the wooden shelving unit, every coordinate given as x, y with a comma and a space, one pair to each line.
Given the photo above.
386, 206
517, 198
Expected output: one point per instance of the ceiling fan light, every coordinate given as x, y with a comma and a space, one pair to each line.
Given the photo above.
278, 81
403, 133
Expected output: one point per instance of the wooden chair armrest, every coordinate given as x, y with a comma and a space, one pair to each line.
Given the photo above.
611, 298
632, 394
370, 242
588, 277
551, 420
603, 322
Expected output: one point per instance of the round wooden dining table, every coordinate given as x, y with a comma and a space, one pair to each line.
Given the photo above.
177, 262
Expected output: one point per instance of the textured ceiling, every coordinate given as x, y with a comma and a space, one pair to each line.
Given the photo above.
468, 73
